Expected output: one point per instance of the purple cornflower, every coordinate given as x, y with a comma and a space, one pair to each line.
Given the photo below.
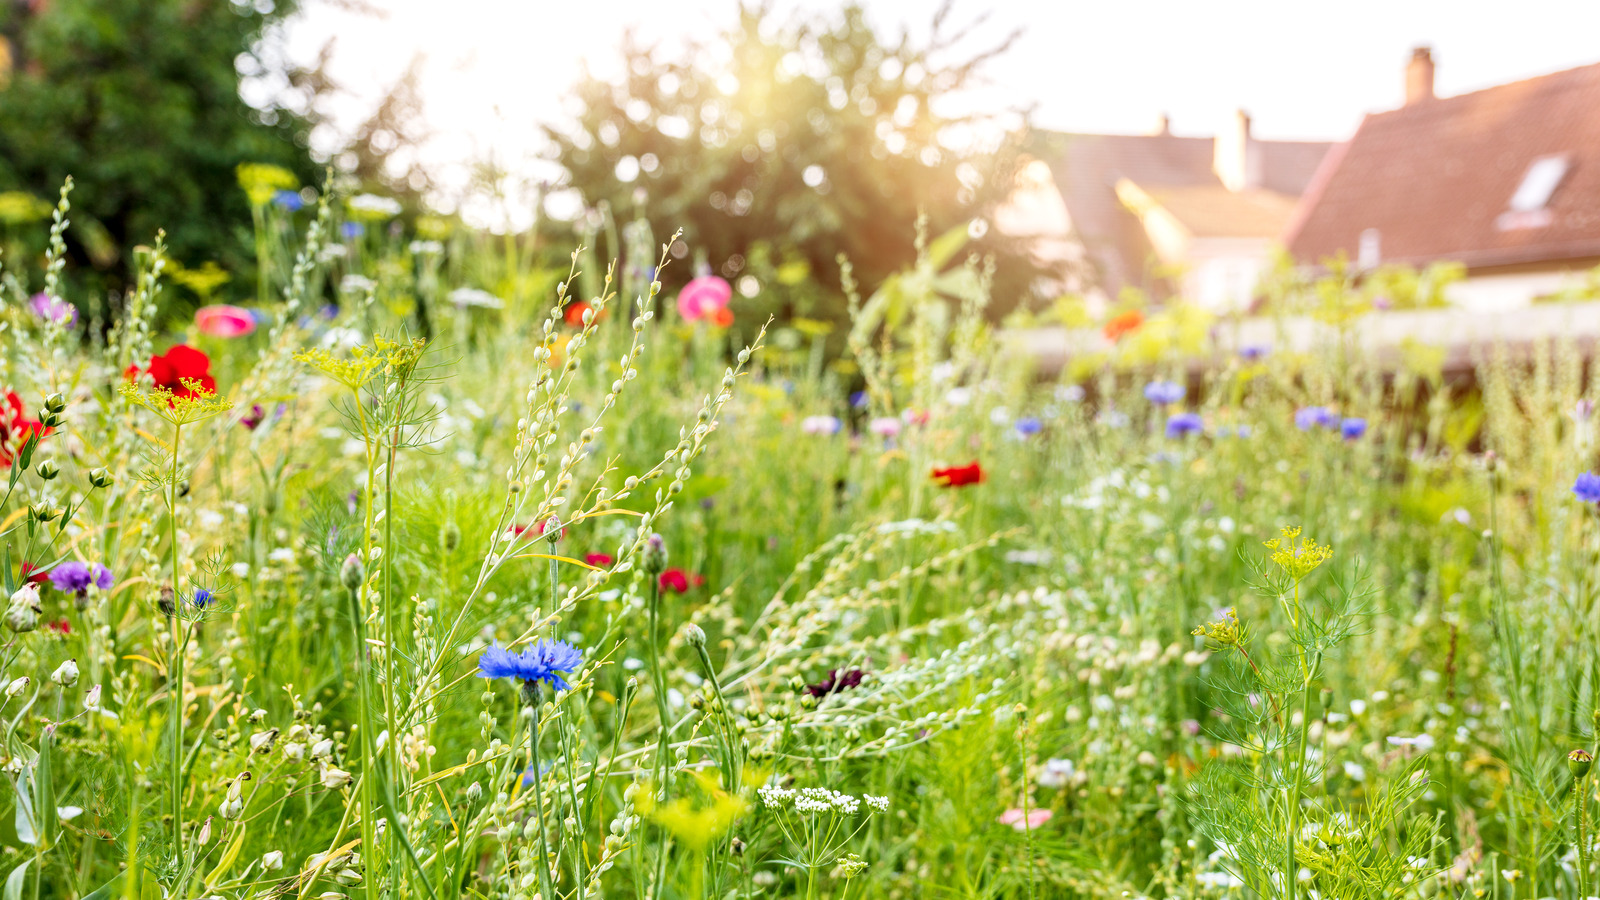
1254, 352
1352, 429
541, 663
289, 200
1028, 426
1163, 393
352, 229
75, 577
1309, 417
1587, 487
1184, 424
53, 309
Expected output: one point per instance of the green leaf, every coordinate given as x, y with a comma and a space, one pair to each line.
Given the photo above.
26, 832
104, 890
16, 880
945, 247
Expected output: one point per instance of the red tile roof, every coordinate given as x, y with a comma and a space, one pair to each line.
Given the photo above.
1087, 167
1435, 179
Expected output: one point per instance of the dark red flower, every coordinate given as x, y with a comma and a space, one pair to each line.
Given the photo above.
958, 476
181, 363
835, 682
16, 427
675, 580
599, 559
254, 419
33, 574
62, 628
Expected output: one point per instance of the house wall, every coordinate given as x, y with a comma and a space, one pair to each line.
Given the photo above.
1222, 272
1501, 291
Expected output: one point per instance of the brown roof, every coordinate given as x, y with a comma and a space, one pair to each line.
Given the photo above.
1087, 167
1214, 211
1435, 178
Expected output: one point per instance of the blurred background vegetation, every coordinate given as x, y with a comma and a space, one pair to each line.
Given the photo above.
756, 141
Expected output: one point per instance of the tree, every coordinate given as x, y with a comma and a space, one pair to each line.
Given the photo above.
778, 146
140, 104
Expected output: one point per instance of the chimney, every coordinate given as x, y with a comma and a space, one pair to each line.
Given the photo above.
1163, 125
1419, 76
1236, 158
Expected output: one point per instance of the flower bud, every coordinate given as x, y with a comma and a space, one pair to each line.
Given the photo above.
42, 511
47, 470
450, 537
352, 573
55, 402
101, 478
91, 700
322, 749
16, 687
695, 635
230, 810
66, 674
474, 792
1579, 762
205, 833
23, 613
653, 561
333, 778
272, 861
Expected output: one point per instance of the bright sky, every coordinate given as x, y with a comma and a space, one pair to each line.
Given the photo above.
494, 70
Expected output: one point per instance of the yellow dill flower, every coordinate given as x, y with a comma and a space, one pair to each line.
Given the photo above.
1226, 631
1297, 558
696, 826
261, 181
195, 403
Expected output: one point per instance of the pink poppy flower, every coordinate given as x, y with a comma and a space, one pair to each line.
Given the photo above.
1034, 819
224, 321
704, 297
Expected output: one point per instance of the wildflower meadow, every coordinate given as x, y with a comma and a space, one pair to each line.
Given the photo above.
437, 571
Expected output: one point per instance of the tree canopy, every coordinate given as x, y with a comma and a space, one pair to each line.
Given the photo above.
779, 145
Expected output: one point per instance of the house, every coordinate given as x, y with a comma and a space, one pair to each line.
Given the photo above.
1191, 216
1505, 181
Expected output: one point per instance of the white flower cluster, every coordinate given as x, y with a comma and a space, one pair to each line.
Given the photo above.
374, 205
819, 800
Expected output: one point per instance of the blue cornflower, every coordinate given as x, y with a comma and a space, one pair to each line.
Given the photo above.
203, 598
1027, 426
859, 400
542, 662
1184, 424
289, 200
1163, 393
1309, 417
75, 577
1587, 487
353, 229
1353, 428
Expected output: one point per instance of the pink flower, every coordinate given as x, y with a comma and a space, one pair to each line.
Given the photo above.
224, 321
704, 298
1035, 818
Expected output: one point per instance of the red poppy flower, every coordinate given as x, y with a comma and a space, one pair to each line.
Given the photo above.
33, 574
62, 628
179, 364
722, 317
16, 427
599, 559
958, 476
675, 580
1122, 323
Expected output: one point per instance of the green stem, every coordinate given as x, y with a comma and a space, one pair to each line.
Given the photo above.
175, 676
537, 702
369, 782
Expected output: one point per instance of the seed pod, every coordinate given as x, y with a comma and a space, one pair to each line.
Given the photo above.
352, 573
23, 613
1579, 762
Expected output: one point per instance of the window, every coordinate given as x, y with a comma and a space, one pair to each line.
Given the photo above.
1369, 252
1541, 180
